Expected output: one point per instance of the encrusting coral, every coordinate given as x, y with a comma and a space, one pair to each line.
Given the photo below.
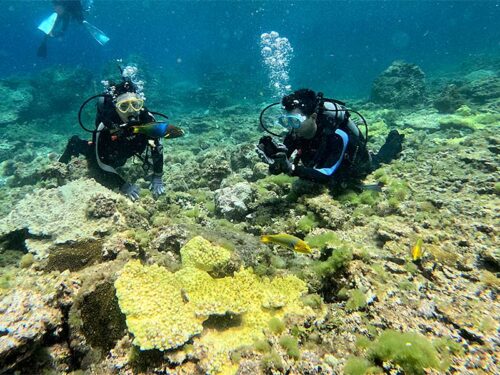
164, 310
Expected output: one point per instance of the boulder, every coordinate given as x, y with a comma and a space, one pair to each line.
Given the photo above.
401, 85
232, 202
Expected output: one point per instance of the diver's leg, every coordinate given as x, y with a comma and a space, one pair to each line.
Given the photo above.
103, 173
42, 49
75, 147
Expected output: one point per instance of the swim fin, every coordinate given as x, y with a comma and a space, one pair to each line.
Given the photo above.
98, 35
48, 24
42, 49
389, 150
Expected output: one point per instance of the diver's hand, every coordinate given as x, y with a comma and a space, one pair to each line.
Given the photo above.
281, 165
130, 190
157, 186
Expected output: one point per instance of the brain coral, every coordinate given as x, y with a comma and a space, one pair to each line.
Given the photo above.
164, 309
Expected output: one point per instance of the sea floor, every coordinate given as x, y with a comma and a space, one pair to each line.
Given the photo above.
91, 282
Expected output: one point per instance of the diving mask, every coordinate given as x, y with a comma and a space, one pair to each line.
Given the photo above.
291, 121
128, 105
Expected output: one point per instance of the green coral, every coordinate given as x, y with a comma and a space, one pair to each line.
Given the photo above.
322, 240
399, 190
262, 346
272, 361
496, 188
314, 301
280, 180
368, 197
291, 345
307, 223
338, 260
140, 236
276, 325
411, 351
360, 366
26, 260
356, 301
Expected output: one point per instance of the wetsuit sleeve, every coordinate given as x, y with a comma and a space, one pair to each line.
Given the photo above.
290, 145
330, 157
157, 156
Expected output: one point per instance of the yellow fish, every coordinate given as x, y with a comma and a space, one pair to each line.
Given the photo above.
417, 252
288, 241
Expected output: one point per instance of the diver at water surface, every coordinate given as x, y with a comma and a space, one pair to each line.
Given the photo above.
124, 128
322, 143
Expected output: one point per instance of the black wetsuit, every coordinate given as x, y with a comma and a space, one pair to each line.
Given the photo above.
337, 152
73, 9
115, 146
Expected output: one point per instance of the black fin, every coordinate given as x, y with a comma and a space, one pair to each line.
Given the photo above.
42, 50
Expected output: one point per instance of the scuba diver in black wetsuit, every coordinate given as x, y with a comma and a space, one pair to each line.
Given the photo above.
324, 143
57, 23
123, 128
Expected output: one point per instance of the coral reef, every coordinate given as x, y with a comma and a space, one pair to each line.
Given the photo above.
400, 85
164, 310
58, 216
224, 302
17, 97
24, 321
232, 201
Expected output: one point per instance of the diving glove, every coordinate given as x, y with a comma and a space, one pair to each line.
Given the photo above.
281, 164
157, 186
130, 190
268, 148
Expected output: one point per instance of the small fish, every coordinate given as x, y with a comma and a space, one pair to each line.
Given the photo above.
158, 130
417, 252
288, 241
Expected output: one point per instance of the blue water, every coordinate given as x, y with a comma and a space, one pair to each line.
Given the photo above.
339, 47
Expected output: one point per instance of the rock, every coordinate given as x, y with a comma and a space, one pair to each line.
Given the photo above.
68, 85
57, 216
401, 85
232, 202
15, 99
101, 206
214, 168
7, 149
328, 210
259, 171
244, 157
25, 319
170, 238
449, 99
490, 257
118, 244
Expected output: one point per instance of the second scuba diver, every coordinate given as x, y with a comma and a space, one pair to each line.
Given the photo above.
323, 143
57, 23
124, 128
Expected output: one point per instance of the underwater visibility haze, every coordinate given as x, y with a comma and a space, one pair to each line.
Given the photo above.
249, 187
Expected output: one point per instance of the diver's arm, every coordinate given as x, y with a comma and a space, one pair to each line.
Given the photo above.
334, 155
290, 145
